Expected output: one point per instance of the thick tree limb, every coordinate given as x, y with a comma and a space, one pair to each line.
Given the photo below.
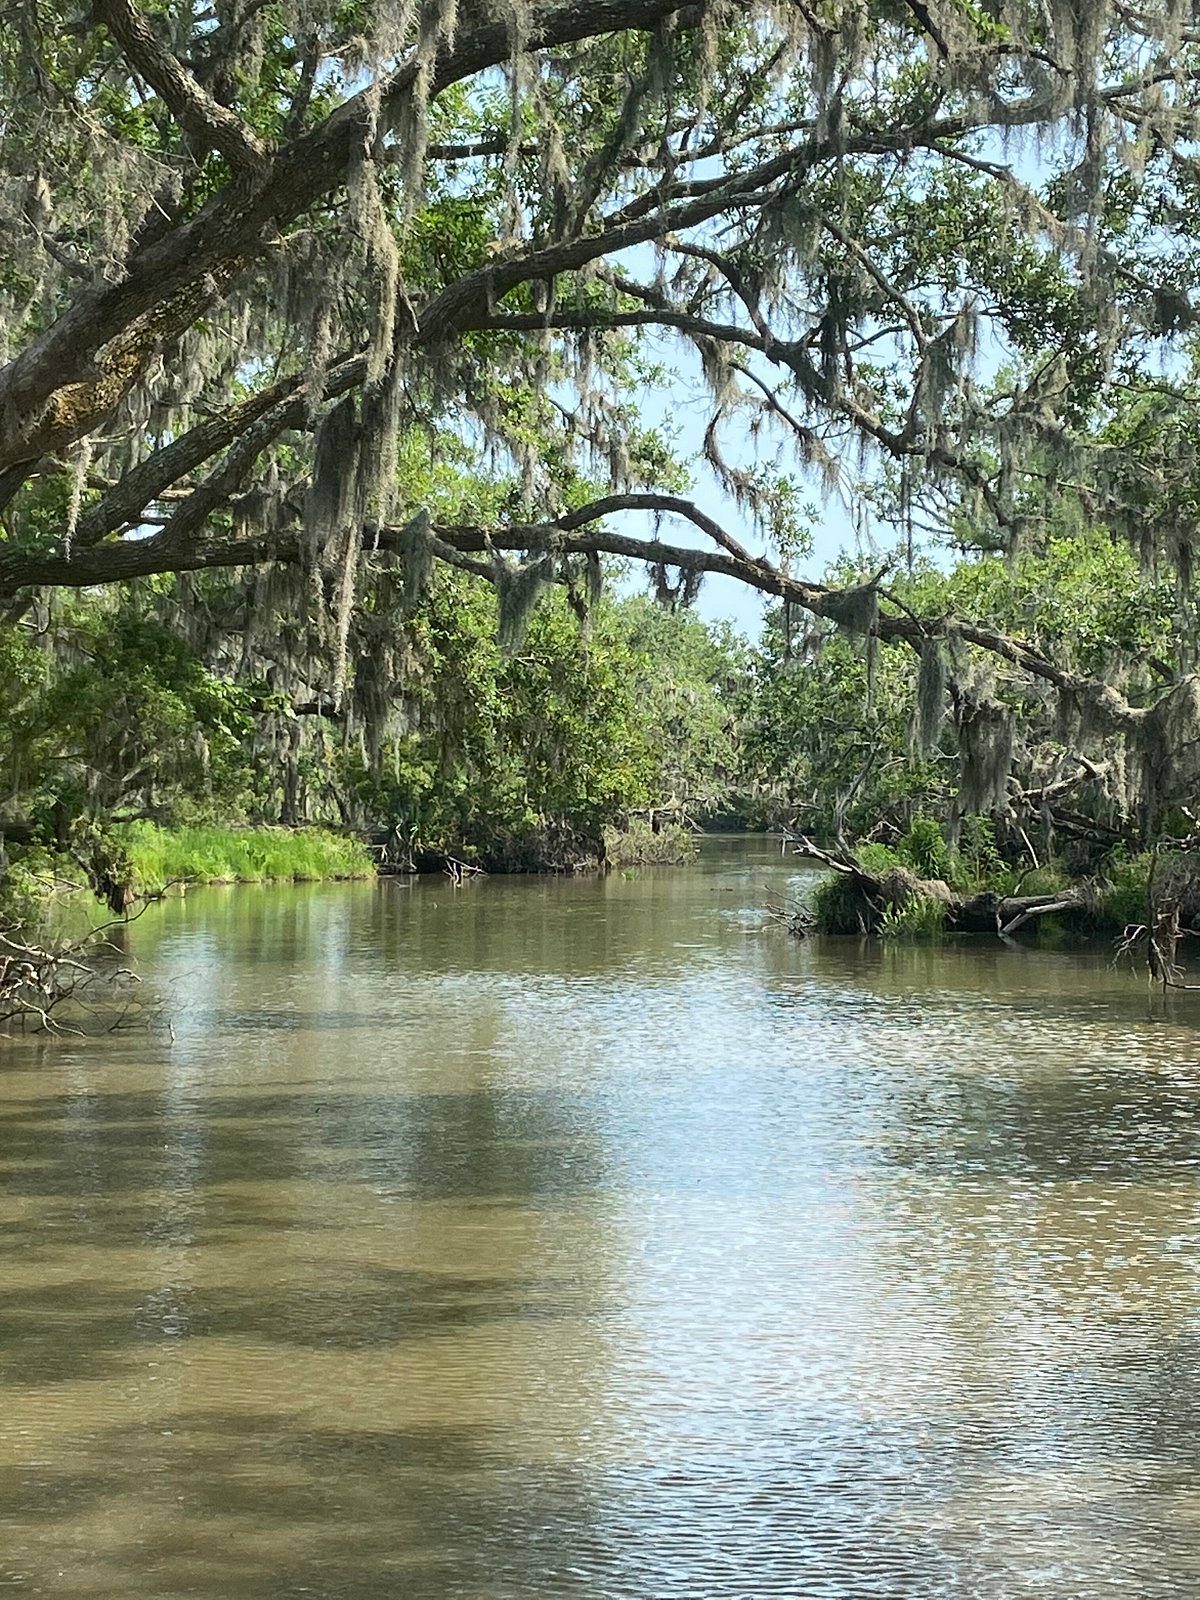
209, 124
178, 548
71, 377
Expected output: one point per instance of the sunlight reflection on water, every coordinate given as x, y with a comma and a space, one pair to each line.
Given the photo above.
561, 1237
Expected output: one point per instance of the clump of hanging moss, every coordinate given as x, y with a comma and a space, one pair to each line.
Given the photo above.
639, 845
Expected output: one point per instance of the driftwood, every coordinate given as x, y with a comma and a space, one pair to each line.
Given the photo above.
877, 894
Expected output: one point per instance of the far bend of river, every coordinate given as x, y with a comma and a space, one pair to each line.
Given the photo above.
592, 1238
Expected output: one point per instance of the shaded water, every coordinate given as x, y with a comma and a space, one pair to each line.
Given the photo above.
593, 1238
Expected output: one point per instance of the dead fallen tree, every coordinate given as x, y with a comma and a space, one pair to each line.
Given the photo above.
64, 986
870, 899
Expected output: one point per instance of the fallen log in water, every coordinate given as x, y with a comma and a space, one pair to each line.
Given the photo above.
872, 896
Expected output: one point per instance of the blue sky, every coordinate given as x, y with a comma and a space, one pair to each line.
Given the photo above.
683, 410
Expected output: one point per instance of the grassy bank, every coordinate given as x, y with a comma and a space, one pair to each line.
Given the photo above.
159, 856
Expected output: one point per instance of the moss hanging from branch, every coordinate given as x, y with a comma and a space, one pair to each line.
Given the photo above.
79, 472
345, 592
930, 709
375, 483
1166, 748
584, 580
682, 592
856, 612
519, 586
985, 752
330, 502
415, 551
594, 582
333, 526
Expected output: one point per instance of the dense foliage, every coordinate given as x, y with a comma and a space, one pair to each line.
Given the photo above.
846, 740
141, 704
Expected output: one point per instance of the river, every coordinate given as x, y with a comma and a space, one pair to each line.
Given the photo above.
554, 1238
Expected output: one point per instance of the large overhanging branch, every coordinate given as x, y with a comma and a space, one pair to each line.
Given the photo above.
72, 376
465, 306
177, 548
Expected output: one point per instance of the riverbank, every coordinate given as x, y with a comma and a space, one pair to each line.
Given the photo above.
158, 857
125, 863
918, 888
128, 862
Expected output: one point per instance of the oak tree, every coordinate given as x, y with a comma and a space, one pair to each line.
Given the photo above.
925, 250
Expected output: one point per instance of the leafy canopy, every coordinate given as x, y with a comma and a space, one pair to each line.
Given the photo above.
927, 255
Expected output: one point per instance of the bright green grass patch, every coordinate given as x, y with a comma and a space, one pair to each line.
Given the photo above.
160, 856
922, 918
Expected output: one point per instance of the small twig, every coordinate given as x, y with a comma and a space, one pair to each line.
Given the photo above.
459, 871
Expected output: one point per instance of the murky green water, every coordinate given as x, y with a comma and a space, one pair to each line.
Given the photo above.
592, 1238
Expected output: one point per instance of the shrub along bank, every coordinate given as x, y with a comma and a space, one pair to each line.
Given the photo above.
918, 887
